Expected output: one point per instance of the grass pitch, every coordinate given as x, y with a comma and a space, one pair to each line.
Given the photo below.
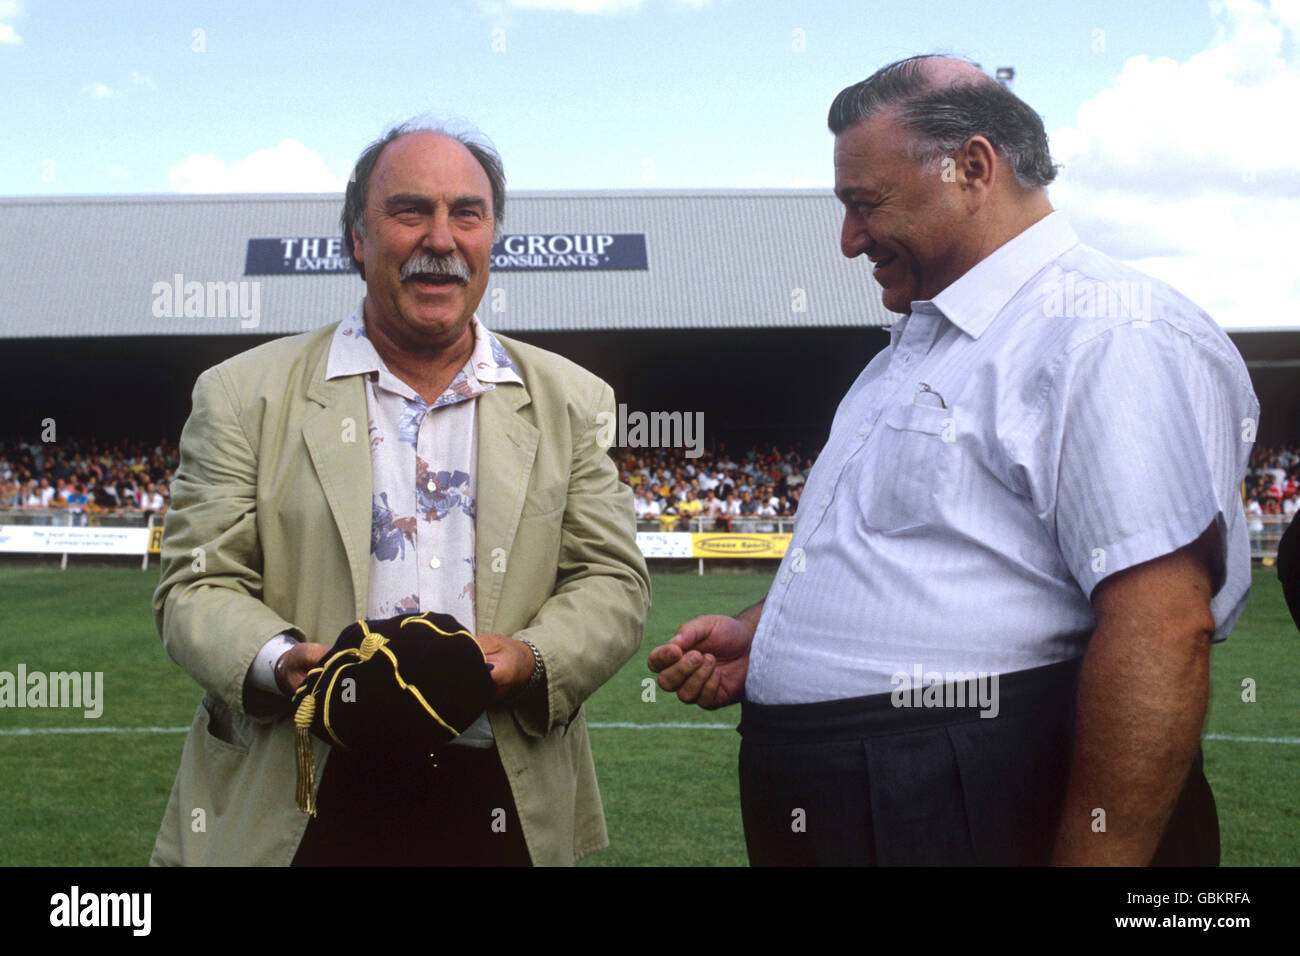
670, 792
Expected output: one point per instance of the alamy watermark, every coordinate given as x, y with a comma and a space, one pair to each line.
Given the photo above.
75, 909
652, 430
1094, 298
79, 689
209, 300
924, 688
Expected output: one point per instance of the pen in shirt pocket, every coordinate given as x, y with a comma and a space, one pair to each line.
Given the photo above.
925, 395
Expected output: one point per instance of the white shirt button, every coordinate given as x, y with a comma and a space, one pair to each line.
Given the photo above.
435, 563
864, 431
826, 500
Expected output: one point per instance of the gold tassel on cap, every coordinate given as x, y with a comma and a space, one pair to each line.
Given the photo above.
306, 765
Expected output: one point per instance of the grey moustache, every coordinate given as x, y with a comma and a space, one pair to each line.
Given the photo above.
435, 265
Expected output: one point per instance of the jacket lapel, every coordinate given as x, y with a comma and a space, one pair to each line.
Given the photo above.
338, 440
507, 445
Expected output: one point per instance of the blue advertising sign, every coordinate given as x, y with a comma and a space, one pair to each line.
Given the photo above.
562, 252
567, 252
299, 255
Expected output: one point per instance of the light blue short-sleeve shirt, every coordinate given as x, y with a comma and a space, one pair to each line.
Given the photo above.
1049, 419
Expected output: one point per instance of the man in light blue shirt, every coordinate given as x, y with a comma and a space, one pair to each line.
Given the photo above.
989, 639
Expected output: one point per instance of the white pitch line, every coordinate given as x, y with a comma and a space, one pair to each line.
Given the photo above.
670, 725
607, 725
34, 731
687, 725
1254, 740
616, 725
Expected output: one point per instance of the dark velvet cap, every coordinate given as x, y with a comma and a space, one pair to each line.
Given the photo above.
402, 687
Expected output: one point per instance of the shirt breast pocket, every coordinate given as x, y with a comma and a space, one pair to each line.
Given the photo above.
913, 463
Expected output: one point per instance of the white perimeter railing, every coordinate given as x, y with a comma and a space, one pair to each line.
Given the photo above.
21, 524
78, 517
1265, 530
1265, 533
748, 525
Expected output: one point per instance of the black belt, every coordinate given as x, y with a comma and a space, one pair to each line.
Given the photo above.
876, 714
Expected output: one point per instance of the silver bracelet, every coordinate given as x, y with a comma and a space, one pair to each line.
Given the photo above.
539, 669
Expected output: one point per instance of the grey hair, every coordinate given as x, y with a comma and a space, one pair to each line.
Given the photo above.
945, 116
354, 198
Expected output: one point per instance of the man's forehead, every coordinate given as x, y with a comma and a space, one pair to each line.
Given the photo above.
429, 157
869, 149
878, 133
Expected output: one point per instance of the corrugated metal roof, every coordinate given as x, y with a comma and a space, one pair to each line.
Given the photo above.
87, 266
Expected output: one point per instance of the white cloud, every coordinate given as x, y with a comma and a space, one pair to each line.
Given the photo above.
1287, 13
500, 10
102, 91
1191, 171
9, 10
576, 6
289, 167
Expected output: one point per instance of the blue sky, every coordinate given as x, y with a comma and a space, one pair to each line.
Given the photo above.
618, 94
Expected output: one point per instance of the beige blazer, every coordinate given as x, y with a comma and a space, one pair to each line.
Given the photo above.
269, 531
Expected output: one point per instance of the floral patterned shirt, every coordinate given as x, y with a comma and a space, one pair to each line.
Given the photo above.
423, 460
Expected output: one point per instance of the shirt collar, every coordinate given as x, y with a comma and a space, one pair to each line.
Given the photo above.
352, 353
975, 299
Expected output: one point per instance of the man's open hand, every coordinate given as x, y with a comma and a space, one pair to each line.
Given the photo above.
706, 661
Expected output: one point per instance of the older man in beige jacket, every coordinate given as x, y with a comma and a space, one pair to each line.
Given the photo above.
269, 537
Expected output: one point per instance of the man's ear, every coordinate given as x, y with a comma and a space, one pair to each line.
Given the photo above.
977, 167
358, 244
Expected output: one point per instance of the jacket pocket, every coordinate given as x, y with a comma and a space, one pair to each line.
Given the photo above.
220, 730
545, 501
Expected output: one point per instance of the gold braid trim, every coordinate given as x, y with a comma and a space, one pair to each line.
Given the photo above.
437, 630
329, 692
302, 719
370, 643
415, 692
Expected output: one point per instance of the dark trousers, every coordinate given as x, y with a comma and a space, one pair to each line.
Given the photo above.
452, 810
863, 782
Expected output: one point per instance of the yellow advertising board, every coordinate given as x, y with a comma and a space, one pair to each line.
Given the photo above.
739, 545
155, 539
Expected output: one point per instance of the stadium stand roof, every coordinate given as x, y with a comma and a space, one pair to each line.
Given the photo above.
127, 265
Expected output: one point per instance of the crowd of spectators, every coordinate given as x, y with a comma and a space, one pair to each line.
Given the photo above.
85, 477
714, 492
671, 491
1272, 484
